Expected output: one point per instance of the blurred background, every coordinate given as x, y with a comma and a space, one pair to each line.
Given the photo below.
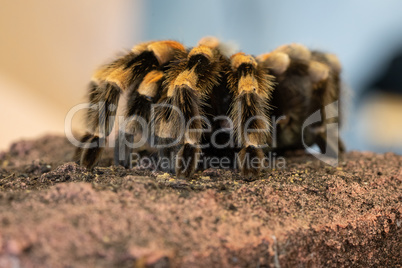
49, 49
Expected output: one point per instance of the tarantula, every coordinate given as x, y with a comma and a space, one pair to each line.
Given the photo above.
308, 81
201, 92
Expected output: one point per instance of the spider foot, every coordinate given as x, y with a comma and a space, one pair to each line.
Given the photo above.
250, 161
187, 161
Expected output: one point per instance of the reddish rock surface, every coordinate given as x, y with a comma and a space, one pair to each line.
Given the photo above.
54, 213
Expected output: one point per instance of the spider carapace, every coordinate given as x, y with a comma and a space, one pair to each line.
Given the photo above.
188, 103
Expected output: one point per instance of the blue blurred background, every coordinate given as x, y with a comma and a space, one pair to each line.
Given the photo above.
364, 34
49, 50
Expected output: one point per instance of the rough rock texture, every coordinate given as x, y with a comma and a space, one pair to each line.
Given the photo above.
54, 213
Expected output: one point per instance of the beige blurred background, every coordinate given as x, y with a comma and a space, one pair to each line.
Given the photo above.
48, 51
